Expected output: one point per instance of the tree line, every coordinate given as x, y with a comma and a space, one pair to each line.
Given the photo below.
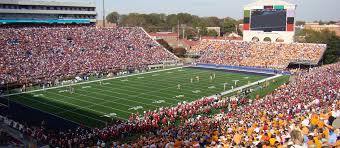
191, 25
332, 53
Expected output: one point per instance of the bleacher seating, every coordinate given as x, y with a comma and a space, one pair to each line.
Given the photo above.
45, 54
256, 54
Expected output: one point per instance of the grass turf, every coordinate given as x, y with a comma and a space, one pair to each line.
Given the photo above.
94, 105
270, 88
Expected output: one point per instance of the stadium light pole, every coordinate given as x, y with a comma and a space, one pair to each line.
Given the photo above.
103, 13
178, 32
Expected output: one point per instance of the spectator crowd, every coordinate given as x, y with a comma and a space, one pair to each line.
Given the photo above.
256, 54
48, 54
302, 113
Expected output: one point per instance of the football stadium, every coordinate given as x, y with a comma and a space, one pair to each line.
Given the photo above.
68, 79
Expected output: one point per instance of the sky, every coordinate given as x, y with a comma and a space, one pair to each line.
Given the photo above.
308, 10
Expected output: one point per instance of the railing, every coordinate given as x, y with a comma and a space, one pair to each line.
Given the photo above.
244, 68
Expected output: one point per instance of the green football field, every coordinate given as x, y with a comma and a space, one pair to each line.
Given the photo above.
94, 104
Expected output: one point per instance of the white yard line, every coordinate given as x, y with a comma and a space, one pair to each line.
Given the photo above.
106, 101
58, 108
118, 98
85, 101
88, 106
144, 84
248, 85
114, 101
91, 81
158, 90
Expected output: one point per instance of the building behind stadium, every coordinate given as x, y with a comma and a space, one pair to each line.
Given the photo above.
27, 11
318, 27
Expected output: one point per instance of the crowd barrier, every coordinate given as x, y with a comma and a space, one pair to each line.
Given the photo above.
244, 68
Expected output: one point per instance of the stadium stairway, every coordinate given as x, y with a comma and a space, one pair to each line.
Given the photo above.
15, 134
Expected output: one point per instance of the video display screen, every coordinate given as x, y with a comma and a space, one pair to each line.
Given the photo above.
268, 20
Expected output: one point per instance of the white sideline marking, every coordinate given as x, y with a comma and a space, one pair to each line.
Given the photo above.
107, 83
140, 77
155, 75
84, 87
110, 115
124, 80
169, 72
248, 85
56, 114
181, 70
136, 108
97, 104
180, 96
38, 95
62, 91
158, 102
86, 82
196, 91
211, 87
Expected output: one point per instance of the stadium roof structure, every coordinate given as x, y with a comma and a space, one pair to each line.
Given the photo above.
269, 2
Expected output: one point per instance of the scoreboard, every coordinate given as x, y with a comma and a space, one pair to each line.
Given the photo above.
269, 19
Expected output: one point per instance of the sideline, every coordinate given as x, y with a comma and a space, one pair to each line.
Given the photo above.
86, 82
248, 85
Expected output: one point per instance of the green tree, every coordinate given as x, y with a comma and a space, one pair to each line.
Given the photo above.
298, 23
190, 33
332, 22
239, 32
212, 33
113, 17
332, 53
184, 18
321, 22
172, 20
133, 19
211, 21
197, 22
203, 31
228, 26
